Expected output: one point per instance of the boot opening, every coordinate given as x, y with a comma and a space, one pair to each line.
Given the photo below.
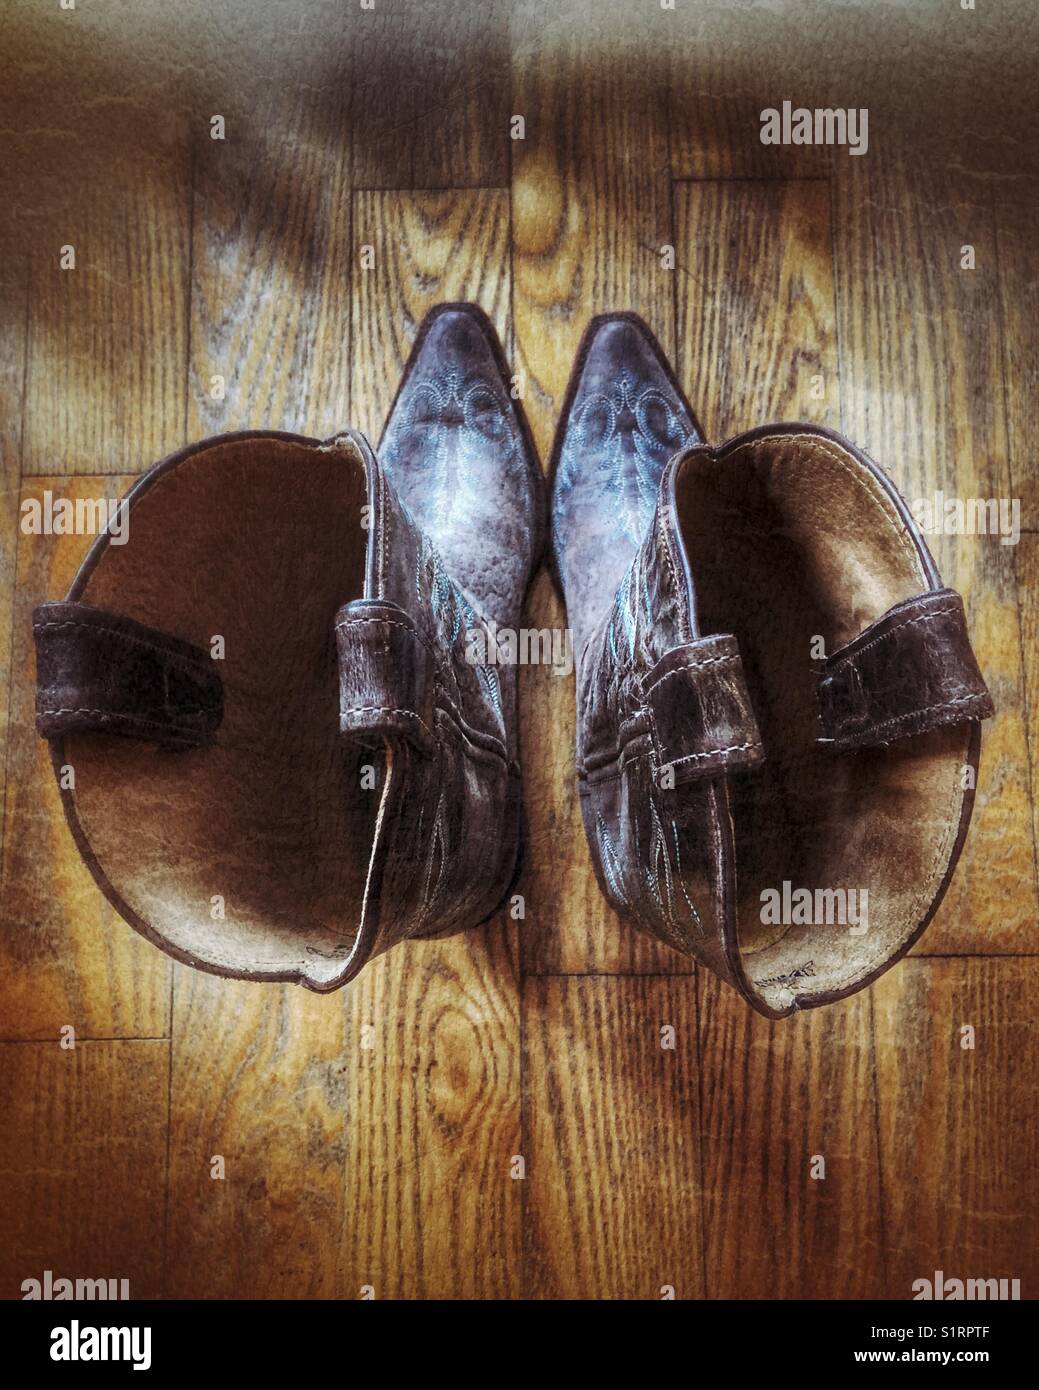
249, 856
791, 539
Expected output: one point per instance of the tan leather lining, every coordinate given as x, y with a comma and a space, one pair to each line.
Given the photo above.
259, 541
791, 538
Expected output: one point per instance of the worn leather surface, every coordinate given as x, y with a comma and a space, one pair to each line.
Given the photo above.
450, 823
363, 785
839, 776
98, 671
911, 671
458, 452
662, 712
623, 418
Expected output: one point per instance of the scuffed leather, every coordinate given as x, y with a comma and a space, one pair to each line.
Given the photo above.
387, 672
651, 692
667, 741
699, 711
660, 710
101, 672
449, 828
910, 671
457, 451
624, 418
457, 517
431, 733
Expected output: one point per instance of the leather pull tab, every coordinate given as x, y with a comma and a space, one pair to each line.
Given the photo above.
98, 672
911, 671
387, 675
700, 711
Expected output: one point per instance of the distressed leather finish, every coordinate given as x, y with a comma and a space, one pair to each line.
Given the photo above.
663, 714
843, 776
623, 418
458, 451
363, 786
97, 671
911, 671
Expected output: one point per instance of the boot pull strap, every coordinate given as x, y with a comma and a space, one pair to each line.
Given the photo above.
700, 713
387, 675
911, 671
98, 672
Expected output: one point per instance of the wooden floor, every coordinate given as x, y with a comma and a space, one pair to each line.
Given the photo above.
373, 1138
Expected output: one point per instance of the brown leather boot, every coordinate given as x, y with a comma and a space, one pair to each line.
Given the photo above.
778, 705
342, 776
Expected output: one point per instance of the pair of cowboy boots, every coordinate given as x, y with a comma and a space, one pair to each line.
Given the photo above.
280, 756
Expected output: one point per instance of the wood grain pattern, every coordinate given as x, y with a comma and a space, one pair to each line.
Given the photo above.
591, 211
258, 1079
776, 1099
429, 248
371, 1138
1028, 596
605, 1095
958, 1204
756, 309
84, 1190
432, 1208
754, 62
14, 305
65, 955
430, 93
271, 255
921, 386
1017, 260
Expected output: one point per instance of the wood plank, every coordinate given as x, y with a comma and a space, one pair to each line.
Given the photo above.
431, 1210
258, 1080
1028, 596
107, 343
754, 59
756, 304
429, 248
920, 72
430, 92
591, 209
756, 323
83, 1154
14, 306
271, 265
776, 1096
613, 1198
96, 162
271, 247
922, 392
66, 957
957, 1127
432, 1207
1017, 258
